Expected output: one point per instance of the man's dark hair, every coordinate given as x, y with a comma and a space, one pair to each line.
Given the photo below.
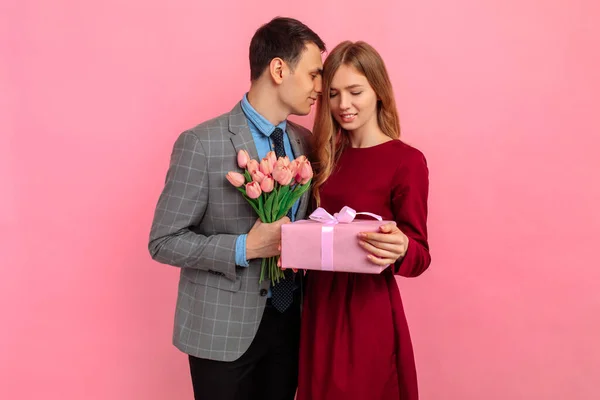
285, 38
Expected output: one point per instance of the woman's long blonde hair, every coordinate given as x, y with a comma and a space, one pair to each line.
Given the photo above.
329, 139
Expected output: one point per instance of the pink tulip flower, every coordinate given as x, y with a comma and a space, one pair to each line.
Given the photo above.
242, 158
235, 178
267, 184
253, 190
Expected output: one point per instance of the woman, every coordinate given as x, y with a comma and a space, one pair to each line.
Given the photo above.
355, 342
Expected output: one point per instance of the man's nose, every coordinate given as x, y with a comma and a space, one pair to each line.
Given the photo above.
319, 84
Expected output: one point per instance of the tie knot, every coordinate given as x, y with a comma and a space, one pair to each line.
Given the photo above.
277, 135
277, 138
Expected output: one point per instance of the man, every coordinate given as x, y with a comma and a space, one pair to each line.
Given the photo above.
241, 336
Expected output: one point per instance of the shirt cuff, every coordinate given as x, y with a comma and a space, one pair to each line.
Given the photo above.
240, 251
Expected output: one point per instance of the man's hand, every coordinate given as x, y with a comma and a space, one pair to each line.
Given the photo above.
263, 239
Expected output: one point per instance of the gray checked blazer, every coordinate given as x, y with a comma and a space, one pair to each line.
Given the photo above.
197, 221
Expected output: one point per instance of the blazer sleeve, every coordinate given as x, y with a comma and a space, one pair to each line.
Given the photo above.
181, 206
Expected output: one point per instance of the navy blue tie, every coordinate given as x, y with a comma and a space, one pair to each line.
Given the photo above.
282, 293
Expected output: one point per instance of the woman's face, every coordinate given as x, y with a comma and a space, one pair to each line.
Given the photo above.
352, 100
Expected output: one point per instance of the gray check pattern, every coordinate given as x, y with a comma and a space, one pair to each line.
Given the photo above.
198, 218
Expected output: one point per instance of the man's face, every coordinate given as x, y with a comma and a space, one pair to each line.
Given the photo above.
302, 85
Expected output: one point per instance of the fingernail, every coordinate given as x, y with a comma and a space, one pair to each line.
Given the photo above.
362, 235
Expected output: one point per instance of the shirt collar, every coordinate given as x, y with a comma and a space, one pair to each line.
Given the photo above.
260, 122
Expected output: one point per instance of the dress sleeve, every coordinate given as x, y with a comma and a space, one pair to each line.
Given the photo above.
409, 205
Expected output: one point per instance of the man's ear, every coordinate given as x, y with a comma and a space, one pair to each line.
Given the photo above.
277, 69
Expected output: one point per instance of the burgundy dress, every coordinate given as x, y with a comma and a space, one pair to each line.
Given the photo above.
355, 342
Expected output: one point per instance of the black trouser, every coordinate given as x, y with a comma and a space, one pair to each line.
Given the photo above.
268, 370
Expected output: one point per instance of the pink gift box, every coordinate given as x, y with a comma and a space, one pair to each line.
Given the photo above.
327, 247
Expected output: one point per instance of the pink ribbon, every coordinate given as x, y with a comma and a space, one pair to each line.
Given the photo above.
345, 216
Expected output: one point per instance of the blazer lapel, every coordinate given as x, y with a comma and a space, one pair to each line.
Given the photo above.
295, 141
241, 137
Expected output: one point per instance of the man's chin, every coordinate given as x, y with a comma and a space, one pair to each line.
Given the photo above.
302, 113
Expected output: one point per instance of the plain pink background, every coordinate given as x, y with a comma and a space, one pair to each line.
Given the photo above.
502, 96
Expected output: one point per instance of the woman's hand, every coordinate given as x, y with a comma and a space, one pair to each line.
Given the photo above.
385, 247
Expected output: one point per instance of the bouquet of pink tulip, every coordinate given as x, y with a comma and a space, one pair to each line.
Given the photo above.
271, 186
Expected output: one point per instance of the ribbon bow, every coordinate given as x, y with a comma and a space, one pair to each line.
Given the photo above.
345, 216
